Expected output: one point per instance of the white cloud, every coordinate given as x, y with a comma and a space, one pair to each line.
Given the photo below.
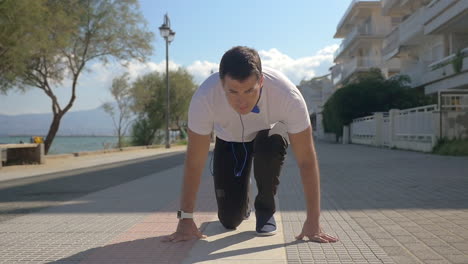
301, 68
295, 69
93, 85
202, 69
104, 74
137, 69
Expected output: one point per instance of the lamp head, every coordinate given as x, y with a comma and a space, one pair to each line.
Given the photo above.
165, 28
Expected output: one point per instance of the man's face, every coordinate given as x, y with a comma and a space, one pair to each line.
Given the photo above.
242, 95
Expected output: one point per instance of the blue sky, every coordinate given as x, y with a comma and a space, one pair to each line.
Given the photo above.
294, 36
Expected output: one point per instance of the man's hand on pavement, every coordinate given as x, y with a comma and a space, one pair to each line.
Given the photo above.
186, 230
315, 233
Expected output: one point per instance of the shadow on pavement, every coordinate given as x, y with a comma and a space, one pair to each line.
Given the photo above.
42, 191
154, 250
353, 177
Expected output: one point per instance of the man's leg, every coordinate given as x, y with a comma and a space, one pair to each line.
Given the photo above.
232, 192
269, 155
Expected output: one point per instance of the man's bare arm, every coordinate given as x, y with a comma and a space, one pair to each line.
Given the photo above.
197, 151
304, 151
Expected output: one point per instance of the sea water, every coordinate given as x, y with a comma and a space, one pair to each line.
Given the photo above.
70, 144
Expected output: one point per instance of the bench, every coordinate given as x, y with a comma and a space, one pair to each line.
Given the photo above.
3, 156
21, 154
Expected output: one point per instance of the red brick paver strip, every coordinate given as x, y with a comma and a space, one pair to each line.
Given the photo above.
142, 243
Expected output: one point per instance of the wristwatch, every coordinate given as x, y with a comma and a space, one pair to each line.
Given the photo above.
183, 215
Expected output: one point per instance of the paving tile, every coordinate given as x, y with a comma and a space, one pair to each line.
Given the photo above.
381, 203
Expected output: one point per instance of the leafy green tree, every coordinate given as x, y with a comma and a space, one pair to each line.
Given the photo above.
19, 35
143, 132
64, 39
181, 88
148, 103
368, 94
149, 94
122, 113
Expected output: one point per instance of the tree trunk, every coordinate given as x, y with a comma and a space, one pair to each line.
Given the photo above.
119, 135
54, 127
179, 128
150, 139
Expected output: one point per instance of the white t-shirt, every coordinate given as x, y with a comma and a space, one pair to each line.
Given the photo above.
280, 101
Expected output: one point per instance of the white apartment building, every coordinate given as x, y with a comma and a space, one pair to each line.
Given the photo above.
363, 29
316, 93
424, 39
419, 38
427, 41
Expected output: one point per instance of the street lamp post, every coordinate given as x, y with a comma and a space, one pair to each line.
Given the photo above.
168, 35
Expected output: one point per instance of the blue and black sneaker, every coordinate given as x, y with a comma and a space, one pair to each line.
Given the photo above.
266, 224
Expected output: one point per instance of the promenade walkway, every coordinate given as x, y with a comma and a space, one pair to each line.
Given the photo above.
386, 206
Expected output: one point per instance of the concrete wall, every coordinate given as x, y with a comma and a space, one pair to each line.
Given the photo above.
414, 129
18, 154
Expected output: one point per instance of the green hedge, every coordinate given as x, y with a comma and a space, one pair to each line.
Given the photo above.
454, 147
368, 94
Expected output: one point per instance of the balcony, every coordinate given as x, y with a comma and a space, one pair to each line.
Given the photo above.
357, 32
345, 43
416, 73
353, 11
399, 8
446, 15
336, 73
391, 44
393, 65
444, 70
435, 7
412, 29
344, 71
388, 6
341, 72
409, 32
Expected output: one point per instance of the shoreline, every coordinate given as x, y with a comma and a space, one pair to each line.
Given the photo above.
83, 160
63, 145
104, 151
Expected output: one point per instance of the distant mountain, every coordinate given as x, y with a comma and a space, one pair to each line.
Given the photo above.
84, 123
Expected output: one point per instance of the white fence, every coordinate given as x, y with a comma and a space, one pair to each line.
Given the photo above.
415, 128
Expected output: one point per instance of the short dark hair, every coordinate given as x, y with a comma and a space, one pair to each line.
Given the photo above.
240, 63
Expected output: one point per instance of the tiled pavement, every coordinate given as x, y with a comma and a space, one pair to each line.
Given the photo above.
387, 206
